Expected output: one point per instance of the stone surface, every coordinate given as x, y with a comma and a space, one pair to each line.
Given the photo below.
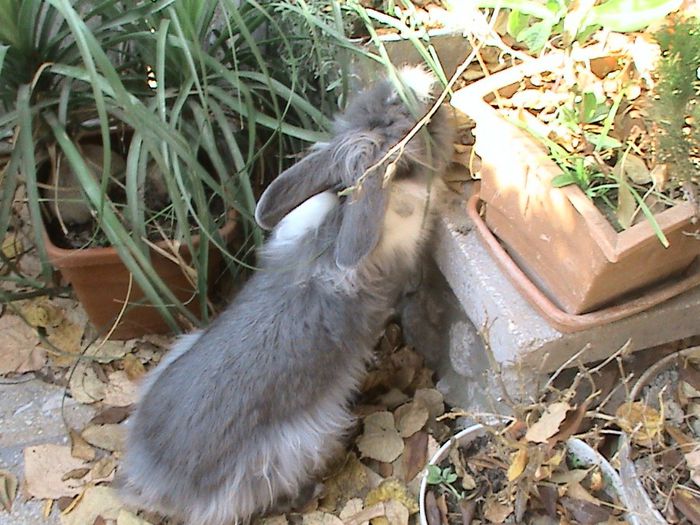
30, 414
488, 326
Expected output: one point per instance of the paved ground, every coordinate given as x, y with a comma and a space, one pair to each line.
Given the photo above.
30, 414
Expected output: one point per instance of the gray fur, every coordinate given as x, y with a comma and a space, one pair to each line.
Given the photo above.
245, 415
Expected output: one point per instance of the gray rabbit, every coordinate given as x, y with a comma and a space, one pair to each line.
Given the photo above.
241, 417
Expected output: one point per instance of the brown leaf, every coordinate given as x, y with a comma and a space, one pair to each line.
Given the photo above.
133, 367
18, 346
8, 489
548, 424
80, 448
127, 518
320, 518
107, 437
380, 440
690, 375
76, 473
497, 512
549, 496
44, 467
571, 424
641, 422
96, 502
66, 337
687, 504
392, 489
103, 469
85, 386
120, 391
467, 508
518, 462
415, 455
432, 512
410, 418
432, 399
396, 513
585, 512
442, 505
112, 415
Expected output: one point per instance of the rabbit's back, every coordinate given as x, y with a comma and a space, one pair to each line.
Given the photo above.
255, 404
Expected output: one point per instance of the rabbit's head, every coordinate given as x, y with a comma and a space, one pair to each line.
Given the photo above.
356, 162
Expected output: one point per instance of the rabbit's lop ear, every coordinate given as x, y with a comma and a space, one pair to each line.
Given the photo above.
363, 222
303, 180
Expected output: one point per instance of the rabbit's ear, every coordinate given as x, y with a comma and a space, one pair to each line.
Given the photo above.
363, 222
303, 180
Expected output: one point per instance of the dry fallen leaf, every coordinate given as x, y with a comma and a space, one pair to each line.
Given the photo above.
641, 422
432, 399
692, 458
518, 462
495, 511
688, 504
127, 518
18, 346
410, 418
85, 386
108, 351
320, 518
41, 313
380, 440
67, 338
392, 489
80, 448
120, 391
133, 367
396, 513
107, 437
8, 489
274, 520
112, 415
103, 470
44, 468
549, 423
95, 502
347, 482
415, 455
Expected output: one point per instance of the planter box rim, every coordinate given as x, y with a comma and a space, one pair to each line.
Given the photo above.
615, 245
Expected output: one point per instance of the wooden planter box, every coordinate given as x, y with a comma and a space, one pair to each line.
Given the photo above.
557, 235
101, 282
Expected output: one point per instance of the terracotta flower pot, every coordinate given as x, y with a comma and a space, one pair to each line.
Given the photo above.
557, 235
101, 282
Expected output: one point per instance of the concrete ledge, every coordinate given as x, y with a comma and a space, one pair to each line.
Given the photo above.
473, 296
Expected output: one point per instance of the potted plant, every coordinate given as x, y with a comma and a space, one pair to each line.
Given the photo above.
501, 473
659, 441
136, 130
582, 267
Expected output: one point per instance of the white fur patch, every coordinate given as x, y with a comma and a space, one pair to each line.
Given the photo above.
419, 80
304, 218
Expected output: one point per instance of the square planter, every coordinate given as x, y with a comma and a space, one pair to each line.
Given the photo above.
557, 236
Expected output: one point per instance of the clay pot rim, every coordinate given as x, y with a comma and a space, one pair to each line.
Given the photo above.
563, 321
94, 256
470, 100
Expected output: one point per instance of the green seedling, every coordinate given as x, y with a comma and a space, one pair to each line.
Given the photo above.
444, 478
